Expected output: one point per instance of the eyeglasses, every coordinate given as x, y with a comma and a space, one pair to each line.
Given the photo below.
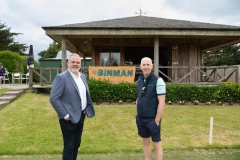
143, 89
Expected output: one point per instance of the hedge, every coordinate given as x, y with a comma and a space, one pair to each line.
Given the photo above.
103, 91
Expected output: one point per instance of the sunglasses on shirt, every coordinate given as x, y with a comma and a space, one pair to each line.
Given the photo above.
143, 90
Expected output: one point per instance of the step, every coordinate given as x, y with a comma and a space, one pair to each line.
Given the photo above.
18, 89
12, 93
3, 103
8, 98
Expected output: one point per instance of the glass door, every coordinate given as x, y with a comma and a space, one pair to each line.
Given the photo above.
110, 57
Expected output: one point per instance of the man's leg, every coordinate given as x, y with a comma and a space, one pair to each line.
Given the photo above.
146, 148
68, 132
158, 150
78, 136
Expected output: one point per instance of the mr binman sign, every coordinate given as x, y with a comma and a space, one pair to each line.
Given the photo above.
114, 74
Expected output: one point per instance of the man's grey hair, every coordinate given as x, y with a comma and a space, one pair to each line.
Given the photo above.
147, 59
74, 54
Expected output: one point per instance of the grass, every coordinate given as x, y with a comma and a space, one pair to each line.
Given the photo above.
215, 154
29, 130
3, 90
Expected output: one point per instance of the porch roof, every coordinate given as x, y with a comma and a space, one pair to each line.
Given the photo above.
80, 36
144, 22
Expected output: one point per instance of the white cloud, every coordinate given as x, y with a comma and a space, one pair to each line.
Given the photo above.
28, 16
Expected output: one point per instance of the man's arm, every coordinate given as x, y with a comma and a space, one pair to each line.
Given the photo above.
5, 72
161, 104
55, 97
161, 92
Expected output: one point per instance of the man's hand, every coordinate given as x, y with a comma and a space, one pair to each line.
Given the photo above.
68, 119
157, 121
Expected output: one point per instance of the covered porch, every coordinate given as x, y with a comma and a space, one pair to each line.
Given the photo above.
175, 46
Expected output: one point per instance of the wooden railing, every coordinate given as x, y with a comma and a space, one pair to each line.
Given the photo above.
44, 76
170, 74
199, 74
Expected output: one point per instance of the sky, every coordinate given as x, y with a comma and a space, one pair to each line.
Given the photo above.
29, 16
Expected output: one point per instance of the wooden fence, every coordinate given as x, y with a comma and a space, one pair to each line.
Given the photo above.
171, 74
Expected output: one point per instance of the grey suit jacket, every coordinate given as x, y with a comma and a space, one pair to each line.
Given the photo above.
65, 97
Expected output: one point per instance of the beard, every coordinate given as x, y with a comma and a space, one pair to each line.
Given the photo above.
74, 70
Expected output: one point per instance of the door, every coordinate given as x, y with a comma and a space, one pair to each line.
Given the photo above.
110, 57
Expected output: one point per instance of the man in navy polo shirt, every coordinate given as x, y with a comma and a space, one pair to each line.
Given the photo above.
150, 105
3, 73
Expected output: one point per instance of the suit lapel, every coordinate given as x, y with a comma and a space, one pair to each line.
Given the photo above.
72, 82
75, 85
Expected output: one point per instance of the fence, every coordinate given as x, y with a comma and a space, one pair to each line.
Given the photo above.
171, 74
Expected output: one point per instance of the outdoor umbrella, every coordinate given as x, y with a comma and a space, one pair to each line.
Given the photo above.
30, 64
30, 59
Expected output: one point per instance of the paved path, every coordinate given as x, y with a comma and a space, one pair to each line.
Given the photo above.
15, 86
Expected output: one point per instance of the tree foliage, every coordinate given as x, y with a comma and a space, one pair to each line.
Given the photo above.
7, 41
229, 55
52, 50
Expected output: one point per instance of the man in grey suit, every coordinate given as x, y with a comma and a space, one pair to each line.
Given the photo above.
70, 97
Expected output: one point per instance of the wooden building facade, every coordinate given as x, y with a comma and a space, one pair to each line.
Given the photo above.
125, 41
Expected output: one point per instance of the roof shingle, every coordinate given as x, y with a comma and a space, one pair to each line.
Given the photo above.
144, 22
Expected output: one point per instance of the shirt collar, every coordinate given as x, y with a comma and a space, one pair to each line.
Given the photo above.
73, 75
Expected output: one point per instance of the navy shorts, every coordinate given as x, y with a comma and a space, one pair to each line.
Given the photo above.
147, 127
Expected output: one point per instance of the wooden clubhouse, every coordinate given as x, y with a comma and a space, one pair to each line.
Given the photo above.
175, 46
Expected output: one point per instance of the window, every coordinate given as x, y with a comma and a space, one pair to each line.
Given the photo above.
110, 57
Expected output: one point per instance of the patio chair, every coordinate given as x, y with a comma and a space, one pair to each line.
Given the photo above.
16, 76
25, 77
6, 79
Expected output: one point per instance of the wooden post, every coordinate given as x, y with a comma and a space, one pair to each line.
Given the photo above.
93, 55
216, 74
211, 131
41, 77
175, 61
50, 77
237, 74
156, 54
84, 63
64, 59
30, 83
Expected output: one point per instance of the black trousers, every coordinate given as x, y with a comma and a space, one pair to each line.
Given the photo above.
72, 134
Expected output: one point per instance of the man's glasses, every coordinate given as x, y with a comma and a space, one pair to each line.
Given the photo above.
143, 89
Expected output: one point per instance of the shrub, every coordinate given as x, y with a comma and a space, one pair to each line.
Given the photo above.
16, 63
12, 61
224, 92
105, 90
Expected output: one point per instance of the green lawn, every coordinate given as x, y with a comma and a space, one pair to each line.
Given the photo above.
3, 90
29, 128
215, 154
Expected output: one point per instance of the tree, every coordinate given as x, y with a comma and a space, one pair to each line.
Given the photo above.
41, 54
7, 41
229, 55
52, 50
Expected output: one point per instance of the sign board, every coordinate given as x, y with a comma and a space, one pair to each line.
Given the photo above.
114, 74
